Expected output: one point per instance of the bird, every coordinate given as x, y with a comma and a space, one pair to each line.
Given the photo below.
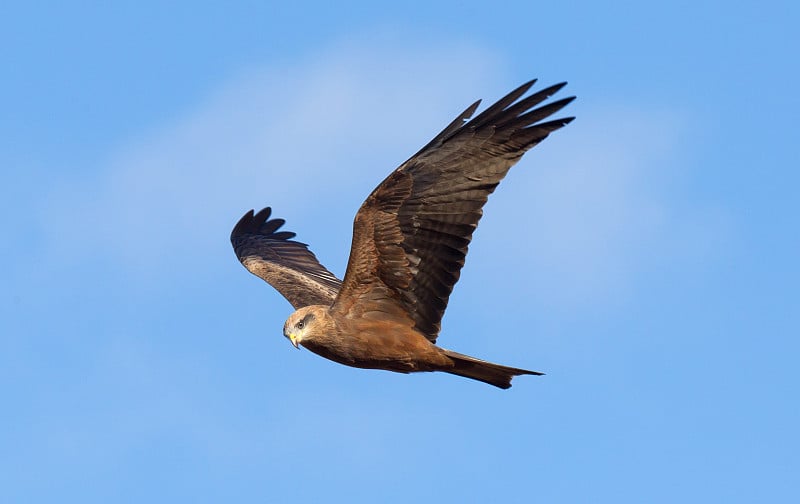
409, 244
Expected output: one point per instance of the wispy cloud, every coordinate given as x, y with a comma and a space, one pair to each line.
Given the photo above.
293, 136
313, 138
590, 210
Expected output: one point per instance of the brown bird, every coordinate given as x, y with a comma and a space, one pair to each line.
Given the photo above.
410, 239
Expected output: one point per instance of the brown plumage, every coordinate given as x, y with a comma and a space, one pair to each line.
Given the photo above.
410, 239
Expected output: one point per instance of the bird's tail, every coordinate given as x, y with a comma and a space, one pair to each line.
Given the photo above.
481, 370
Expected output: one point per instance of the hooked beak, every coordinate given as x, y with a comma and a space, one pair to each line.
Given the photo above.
293, 339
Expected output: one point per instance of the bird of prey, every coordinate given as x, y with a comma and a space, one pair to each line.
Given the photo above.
410, 239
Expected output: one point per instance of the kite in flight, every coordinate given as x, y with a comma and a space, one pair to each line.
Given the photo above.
410, 239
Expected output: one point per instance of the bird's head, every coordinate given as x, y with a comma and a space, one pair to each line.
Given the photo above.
299, 325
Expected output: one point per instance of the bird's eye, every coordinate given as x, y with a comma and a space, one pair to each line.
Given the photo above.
300, 324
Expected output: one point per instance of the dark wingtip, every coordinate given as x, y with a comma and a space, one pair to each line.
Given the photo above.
525, 87
259, 223
551, 90
242, 224
551, 126
470, 110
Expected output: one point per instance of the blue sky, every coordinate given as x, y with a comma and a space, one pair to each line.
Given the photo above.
644, 257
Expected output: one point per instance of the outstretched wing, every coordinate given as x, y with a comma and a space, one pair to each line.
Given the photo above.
285, 264
410, 237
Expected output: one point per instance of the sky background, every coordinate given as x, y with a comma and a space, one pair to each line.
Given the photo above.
644, 257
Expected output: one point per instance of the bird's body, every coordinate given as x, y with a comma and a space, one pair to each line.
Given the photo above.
410, 240
370, 343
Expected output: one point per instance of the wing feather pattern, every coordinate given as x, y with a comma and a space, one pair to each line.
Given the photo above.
285, 264
411, 235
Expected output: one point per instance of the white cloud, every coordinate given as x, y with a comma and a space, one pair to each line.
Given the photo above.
312, 139
292, 136
589, 210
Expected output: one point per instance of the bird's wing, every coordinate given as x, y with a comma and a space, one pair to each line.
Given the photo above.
285, 264
410, 237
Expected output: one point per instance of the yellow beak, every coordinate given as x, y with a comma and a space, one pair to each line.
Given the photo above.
293, 339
